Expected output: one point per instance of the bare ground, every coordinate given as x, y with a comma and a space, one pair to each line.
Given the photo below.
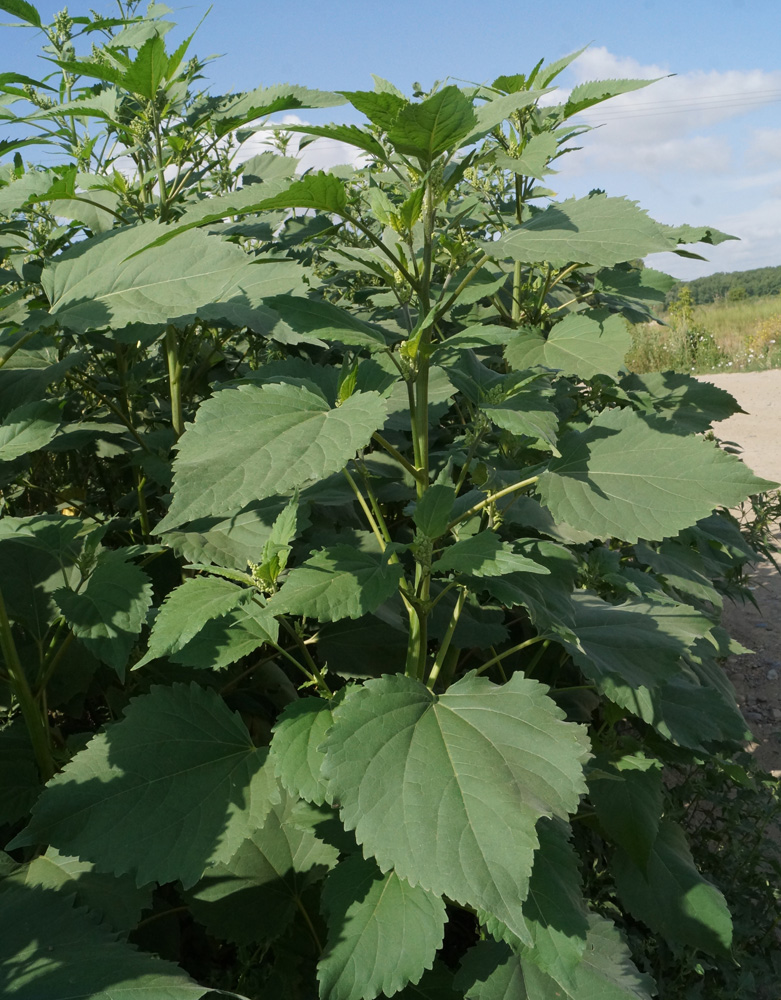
757, 676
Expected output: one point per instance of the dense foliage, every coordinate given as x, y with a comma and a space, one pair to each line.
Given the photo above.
731, 285
354, 597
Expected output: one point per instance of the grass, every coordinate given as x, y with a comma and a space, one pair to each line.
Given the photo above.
720, 336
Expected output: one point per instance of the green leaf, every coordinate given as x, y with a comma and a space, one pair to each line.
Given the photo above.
533, 159
295, 748
327, 321
322, 191
382, 932
254, 896
93, 285
20, 782
290, 437
554, 909
338, 582
582, 344
628, 798
586, 95
624, 477
52, 951
434, 511
149, 69
447, 790
682, 568
426, 129
351, 134
186, 611
491, 971
381, 108
28, 428
117, 899
672, 898
108, 613
179, 776
227, 638
499, 109
22, 9
595, 230
634, 643
485, 554
690, 405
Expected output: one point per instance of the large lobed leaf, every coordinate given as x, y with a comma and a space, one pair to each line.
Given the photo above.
382, 932
623, 477
595, 230
582, 344
260, 441
178, 777
447, 789
52, 951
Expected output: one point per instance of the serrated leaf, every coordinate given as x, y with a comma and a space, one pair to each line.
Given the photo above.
624, 477
586, 95
447, 790
682, 567
290, 437
100, 283
533, 159
382, 108
79, 958
108, 613
179, 776
338, 582
117, 899
351, 134
148, 69
628, 802
491, 971
28, 428
554, 909
690, 405
672, 898
433, 512
295, 748
428, 128
186, 611
582, 344
382, 932
499, 109
485, 554
22, 9
596, 230
254, 896
327, 321
227, 638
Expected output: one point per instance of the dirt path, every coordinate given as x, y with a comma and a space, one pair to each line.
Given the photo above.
757, 676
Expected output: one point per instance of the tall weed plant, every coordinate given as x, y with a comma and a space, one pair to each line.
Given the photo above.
355, 599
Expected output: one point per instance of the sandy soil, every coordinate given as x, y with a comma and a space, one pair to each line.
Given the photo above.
757, 676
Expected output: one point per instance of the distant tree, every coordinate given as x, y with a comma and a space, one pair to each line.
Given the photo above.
736, 293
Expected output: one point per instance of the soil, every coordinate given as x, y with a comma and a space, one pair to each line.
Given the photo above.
757, 676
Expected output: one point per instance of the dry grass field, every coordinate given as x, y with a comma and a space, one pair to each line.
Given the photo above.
721, 336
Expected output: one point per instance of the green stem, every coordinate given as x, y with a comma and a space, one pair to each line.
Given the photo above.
489, 500
395, 453
20, 343
366, 510
509, 652
447, 638
316, 674
174, 379
466, 281
36, 723
162, 190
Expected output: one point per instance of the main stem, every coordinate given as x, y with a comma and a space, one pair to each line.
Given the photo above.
174, 379
35, 721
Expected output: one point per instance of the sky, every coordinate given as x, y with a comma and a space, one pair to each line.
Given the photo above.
702, 146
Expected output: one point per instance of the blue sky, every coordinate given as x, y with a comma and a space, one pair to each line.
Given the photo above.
702, 147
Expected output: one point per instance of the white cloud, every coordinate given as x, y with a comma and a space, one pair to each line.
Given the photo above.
765, 147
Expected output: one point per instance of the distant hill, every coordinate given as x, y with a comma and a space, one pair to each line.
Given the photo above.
732, 285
